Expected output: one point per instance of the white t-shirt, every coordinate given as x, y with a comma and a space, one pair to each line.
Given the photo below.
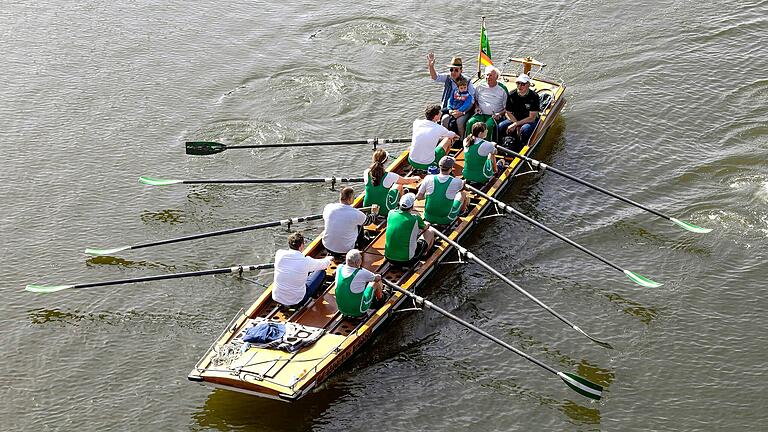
426, 136
341, 222
453, 191
291, 271
491, 99
485, 148
361, 279
390, 178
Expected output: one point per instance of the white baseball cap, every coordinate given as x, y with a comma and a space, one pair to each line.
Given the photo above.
407, 201
523, 78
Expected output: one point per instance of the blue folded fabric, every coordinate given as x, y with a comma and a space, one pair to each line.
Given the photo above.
264, 332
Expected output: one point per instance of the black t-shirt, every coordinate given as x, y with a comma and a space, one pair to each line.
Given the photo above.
521, 106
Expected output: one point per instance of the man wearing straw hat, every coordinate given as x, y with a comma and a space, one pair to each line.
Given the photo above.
449, 86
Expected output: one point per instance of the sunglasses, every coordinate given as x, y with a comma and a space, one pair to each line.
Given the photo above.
455, 69
522, 84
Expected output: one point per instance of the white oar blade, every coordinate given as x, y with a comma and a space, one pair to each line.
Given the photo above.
47, 288
582, 386
157, 182
642, 280
102, 252
690, 227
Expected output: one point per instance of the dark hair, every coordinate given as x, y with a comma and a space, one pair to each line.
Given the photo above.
431, 111
477, 129
461, 81
377, 167
295, 240
347, 193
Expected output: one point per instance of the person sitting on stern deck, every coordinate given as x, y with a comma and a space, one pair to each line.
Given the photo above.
459, 104
450, 87
291, 284
356, 287
445, 199
479, 162
407, 237
491, 98
430, 140
523, 106
343, 223
380, 184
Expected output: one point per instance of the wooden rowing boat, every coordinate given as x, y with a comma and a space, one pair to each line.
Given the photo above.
288, 376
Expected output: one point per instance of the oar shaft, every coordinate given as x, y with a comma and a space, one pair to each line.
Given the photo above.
472, 327
276, 180
545, 167
373, 142
512, 210
177, 275
506, 280
230, 231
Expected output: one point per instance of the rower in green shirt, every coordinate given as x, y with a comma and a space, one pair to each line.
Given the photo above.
479, 162
381, 187
407, 236
443, 193
356, 287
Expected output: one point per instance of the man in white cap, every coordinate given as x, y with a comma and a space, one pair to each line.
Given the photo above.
443, 193
522, 111
449, 85
491, 98
407, 236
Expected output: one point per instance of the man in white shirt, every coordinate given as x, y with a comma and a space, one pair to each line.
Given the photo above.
343, 223
291, 285
491, 102
430, 140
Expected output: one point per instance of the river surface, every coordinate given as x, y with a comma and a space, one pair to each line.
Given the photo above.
666, 104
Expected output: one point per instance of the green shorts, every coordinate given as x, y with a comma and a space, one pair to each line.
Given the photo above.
439, 153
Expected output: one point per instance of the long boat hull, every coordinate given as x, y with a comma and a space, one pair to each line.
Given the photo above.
288, 376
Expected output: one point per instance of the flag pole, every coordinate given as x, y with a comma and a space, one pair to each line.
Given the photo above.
480, 50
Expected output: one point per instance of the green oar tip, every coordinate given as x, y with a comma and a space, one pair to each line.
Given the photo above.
690, 227
582, 386
47, 288
642, 280
157, 182
100, 252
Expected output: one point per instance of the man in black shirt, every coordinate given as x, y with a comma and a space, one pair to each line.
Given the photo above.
522, 111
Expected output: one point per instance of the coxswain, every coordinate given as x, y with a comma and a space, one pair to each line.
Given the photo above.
383, 188
430, 140
343, 223
407, 237
356, 287
293, 283
445, 199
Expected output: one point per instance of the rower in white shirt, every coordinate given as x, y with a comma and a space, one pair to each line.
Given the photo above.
292, 286
343, 223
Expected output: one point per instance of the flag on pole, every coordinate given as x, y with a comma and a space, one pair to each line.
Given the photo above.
485, 48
